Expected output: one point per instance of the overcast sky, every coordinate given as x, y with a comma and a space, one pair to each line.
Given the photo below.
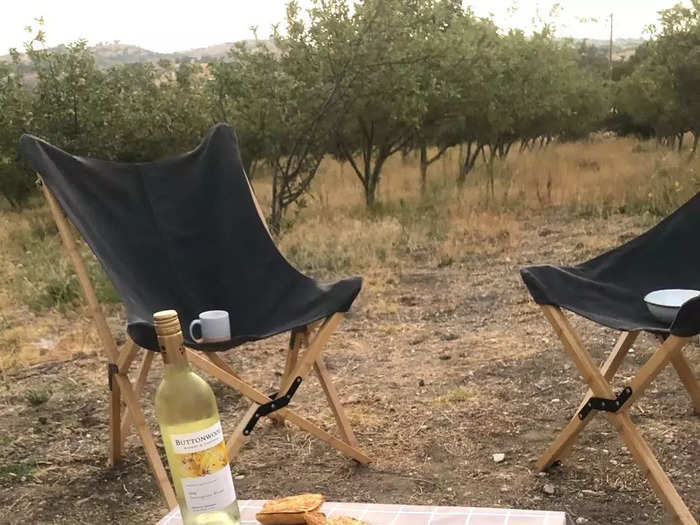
167, 25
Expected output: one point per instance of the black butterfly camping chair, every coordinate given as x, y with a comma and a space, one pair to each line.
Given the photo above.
187, 234
610, 290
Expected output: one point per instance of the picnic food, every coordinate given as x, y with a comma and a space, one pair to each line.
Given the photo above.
192, 434
290, 510
315, 518
302, 509
319, 518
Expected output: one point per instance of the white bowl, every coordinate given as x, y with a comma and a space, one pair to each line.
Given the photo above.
664, 304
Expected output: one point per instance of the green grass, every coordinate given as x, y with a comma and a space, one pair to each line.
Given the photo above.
44, 278
17, 470
37, 397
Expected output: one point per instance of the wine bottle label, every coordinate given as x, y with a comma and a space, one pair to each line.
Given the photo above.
205, 472
209, 492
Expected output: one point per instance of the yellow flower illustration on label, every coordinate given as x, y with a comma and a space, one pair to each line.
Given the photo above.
196, 464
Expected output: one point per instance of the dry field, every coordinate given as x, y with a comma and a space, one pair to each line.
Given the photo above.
443, 361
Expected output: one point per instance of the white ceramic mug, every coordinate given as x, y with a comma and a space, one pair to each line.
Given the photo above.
214, 326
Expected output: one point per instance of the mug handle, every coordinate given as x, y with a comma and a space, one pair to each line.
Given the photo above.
192, 325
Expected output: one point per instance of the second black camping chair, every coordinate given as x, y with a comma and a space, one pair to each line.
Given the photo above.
610, 290
187, 234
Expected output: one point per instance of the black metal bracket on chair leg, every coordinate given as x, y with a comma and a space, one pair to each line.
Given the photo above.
272, 406
606, 405
112, 369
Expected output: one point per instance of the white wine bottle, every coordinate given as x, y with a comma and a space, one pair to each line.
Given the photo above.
194, 443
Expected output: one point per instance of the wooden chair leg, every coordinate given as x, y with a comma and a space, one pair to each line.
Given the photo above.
115, 439
650, 467
600, 387
313, 358
313, 351
121, 386
216, 359
257, 397
334, 401
338, 444
295, 342
147, 440
138, 388
563, 444
238, 439
127, 354
118, 421
685, 372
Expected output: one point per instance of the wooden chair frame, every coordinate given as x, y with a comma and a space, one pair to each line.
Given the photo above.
122, 390
599, 382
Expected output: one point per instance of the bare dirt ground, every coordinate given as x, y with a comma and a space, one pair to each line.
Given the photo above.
439, 368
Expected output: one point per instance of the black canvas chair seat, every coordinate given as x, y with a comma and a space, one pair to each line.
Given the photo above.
610, 288
184, 234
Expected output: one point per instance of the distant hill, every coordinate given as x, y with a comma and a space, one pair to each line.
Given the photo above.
113, 54
109, 54
215, 51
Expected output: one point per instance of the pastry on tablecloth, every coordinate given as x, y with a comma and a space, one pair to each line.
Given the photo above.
315, 518
318, 518
290, 510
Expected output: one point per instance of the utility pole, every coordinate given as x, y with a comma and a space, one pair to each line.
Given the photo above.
610, 62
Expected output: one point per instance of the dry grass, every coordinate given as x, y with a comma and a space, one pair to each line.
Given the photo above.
459, 394
333, 234
616, 171
40, 313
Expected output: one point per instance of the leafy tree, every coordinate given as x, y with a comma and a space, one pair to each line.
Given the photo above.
661, 93
358, 82
129, 112
593, 58
280, 101
678, 46
453, 86
67, 97
383, 94
15, 179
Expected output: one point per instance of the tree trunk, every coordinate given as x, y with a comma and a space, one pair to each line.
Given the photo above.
696, 136
372, 176
507, 149
13, 204
473, 151
276, 205
489, 169
680, 142
501, 150
465, 165
249, 167
423, 168
370, 192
